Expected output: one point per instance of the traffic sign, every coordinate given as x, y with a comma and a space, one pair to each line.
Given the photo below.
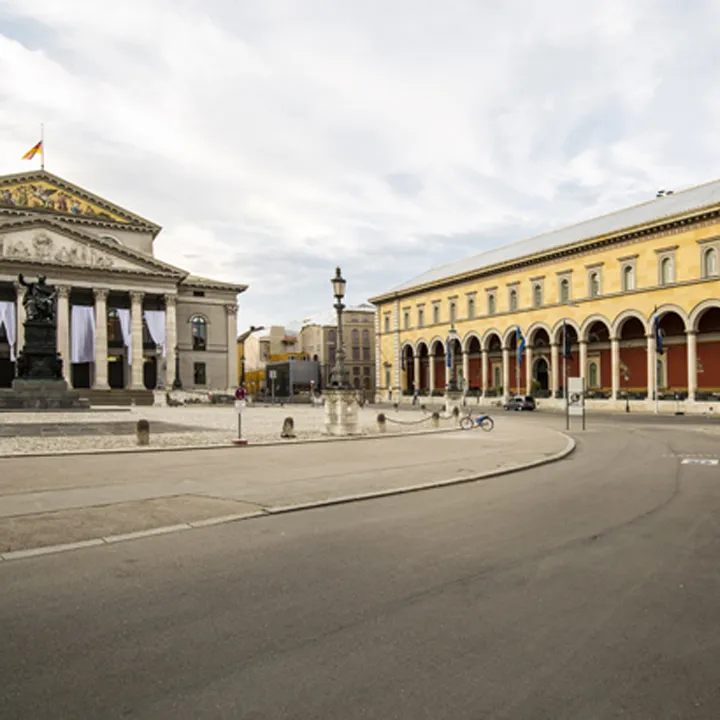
240, 393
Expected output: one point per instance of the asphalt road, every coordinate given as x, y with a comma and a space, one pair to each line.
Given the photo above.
585, 589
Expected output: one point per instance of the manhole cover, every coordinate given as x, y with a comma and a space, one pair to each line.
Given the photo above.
699, 461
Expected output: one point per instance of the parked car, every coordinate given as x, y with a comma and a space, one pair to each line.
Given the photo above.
520, 402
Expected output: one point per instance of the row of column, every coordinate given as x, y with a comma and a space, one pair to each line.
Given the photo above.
101, 337
555, 366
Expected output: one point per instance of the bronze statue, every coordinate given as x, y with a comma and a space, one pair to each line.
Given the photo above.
39, 299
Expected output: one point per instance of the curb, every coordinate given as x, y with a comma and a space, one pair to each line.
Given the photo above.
224, 446
286, 509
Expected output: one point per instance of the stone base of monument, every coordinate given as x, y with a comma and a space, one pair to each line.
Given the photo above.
453, 399
341, 412
30, 394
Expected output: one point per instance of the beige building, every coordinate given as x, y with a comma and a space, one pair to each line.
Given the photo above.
319, 341
126, 320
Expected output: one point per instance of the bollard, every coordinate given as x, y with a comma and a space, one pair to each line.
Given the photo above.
456, 415
143, 432
288, 428
436, 420
423, 407
382, 423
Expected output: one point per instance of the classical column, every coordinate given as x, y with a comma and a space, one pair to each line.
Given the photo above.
170, 339
416, 371
484, 370
101, 340
63, 329
583, 361
615, 365
232, 359
431, 373
692, 364
136, 332
528, 368
466, 370
554, 368
20, 308
506, 372
651, 366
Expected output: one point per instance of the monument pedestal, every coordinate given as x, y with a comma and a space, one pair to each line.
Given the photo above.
341, 412
453, 399
29, 394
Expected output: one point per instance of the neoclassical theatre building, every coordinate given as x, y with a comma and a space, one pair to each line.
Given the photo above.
602, 280
123, 315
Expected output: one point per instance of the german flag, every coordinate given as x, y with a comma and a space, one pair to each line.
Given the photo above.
33, 151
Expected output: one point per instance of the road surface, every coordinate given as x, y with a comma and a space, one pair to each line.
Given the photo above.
585, 589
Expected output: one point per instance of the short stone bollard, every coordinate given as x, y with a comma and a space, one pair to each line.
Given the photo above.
288, 428
436, 420
382, 423
456, 415
143, 432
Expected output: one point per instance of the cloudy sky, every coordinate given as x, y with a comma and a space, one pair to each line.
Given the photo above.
276, 139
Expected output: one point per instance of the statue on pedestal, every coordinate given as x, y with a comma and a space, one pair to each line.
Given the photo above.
39, 300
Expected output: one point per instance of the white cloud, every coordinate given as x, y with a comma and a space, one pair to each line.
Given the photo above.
273, 140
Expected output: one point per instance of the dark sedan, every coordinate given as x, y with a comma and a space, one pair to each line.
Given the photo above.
520, 402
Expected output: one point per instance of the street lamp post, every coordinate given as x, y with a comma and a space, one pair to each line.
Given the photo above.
451, 338
626, 377
338, 377
177, 384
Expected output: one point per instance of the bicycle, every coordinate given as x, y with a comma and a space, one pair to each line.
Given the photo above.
468, 422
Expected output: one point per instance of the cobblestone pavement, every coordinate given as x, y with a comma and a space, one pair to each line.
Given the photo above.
188, 425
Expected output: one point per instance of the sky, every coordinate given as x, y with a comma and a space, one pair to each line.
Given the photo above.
275, 140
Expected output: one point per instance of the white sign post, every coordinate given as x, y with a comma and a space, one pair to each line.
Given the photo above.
273, 375
239, 407
576, 398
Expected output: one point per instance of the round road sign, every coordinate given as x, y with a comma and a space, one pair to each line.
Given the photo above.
240, 393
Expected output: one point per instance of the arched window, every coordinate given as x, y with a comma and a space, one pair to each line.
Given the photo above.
564, 290
594, 284
666, 271
628, 278
365, 337
593, 375
537, 295
199, 332
710, 262
491, 304
513, 300
355, 337
471, 308
331, 336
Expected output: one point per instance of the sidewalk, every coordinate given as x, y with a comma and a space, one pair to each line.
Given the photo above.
46, 501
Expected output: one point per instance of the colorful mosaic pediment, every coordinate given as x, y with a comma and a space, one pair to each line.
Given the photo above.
44, 196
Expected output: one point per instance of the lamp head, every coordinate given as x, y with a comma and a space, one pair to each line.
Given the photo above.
338, 284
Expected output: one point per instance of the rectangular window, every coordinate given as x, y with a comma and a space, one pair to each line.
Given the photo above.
387, 377
594, 284
199, 375
564, 290
471, 308
356, 371
356, 353
406, 319
198, 293
453, 308
366, 353
421, 317
387, 323
436, 314
366, 371
491, 304
331, 355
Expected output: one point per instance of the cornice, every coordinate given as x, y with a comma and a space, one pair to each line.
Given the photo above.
626, 237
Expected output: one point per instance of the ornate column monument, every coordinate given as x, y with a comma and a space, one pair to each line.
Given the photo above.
341, 405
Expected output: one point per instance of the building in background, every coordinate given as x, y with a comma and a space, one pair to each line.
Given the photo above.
607, 294
319, 341
123, 316
276, 344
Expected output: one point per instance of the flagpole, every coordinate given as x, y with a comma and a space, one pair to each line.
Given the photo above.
42, 146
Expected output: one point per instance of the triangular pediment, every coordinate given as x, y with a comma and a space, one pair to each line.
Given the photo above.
44, 193
43, 241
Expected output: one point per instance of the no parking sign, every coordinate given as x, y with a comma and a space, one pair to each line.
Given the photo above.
240, 394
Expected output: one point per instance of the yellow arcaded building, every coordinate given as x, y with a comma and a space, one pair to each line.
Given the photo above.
606, 280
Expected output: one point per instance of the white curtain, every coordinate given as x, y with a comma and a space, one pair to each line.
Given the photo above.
155, 320
7, 320
124, 317
82, 334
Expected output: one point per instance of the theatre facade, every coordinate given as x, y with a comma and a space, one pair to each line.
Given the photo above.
128, 323
603, 282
